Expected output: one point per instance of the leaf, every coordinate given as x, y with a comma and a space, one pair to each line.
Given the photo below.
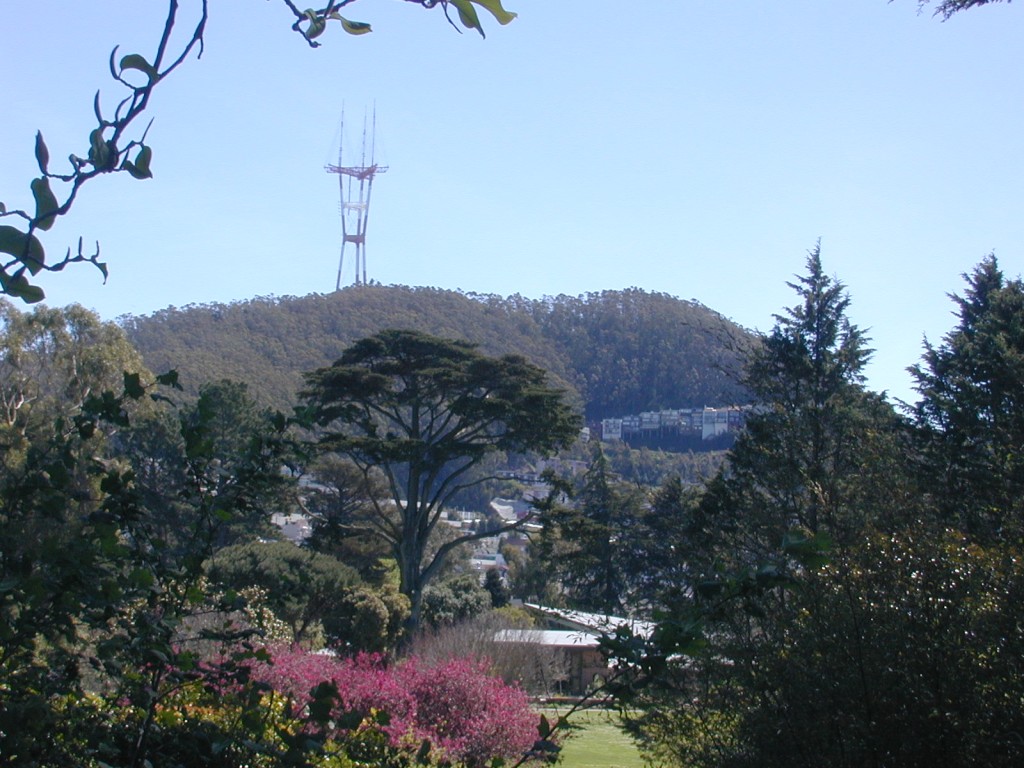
324, 697
19, 287
140, 168
194, 594
46, 203
143, 159
99, 152
809, 551
169, 379
354, 27
28, 250
136, 61
468, 15
142, 578
317, 24
133, 385
316, 28
543, 727
42, 153
494, 6
422, 756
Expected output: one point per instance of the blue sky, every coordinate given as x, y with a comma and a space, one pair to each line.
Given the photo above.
694, 147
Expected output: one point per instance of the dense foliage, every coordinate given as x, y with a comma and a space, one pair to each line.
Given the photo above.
302, 588
135, 598
971, 413
633, 351
621, 351
103, 604
847, 589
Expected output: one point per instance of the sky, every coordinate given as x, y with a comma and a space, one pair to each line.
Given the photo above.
692, 147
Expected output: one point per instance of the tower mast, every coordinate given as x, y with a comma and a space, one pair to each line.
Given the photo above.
355, 183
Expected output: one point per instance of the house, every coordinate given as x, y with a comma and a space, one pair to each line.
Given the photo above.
294, 527
482, 561
577, 635
510, 510
584, 661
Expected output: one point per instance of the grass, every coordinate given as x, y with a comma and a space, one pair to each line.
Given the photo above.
598, 742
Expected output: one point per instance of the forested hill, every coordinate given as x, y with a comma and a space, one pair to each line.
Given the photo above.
622, 351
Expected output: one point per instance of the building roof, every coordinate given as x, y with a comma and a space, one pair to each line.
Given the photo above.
556, 638
595, 623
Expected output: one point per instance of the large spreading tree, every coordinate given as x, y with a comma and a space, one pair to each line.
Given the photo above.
426, 412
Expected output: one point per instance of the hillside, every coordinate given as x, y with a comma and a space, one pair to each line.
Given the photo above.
620, 351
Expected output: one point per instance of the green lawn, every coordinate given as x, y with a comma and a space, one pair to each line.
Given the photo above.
598, 743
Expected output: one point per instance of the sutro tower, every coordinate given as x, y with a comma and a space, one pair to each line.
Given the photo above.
355, 183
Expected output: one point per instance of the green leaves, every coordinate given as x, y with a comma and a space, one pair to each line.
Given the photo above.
26, 248
494, 6
169, 379
471, 20
317, 24
468, 15
811, 551
102, 153
133, 387
17, 285
543, 727
312, 23
352, 27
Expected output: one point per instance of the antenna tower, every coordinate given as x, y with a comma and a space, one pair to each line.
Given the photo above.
355, 183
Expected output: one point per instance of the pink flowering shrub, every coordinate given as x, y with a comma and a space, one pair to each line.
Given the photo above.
467, 715
474, 715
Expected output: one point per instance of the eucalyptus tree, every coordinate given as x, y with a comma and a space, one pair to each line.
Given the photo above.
53, 359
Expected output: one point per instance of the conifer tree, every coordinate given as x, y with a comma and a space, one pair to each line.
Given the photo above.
813, 432
971, 412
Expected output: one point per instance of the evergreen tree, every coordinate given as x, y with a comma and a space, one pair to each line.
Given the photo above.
496, 587
971, 413
812, 435
591, 544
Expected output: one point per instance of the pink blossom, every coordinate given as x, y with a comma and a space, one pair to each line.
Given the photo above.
466, 714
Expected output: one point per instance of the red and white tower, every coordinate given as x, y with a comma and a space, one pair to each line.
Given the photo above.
356, 183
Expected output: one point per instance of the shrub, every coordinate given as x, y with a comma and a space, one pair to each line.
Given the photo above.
467, 715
